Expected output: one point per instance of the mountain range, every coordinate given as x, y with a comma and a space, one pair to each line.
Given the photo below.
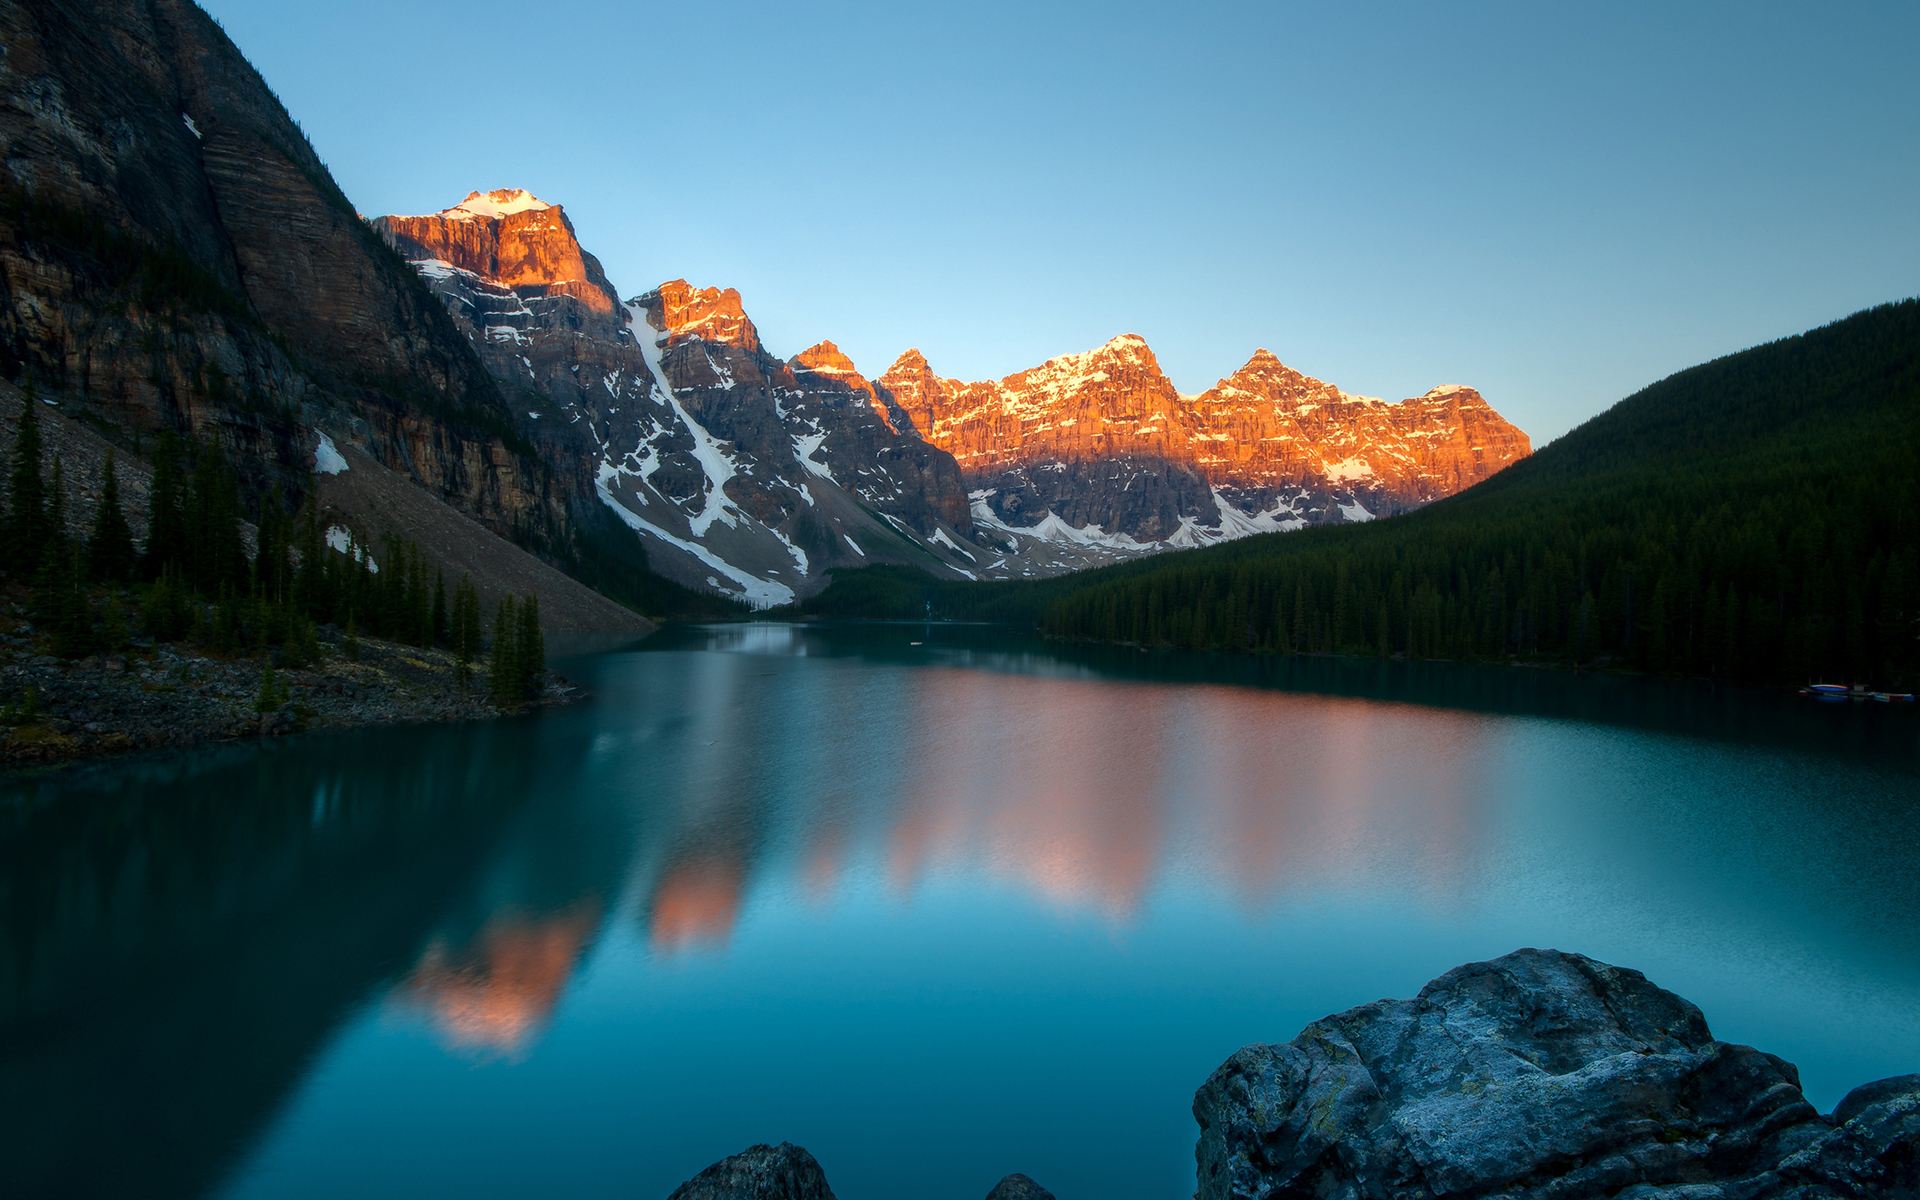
755, 475
1754, 518
175, 256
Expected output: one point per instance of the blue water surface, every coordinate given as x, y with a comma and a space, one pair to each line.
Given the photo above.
936, 902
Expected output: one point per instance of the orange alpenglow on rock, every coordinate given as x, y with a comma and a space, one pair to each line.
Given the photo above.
823, 364
758, 476
708, 314
1265, 427
828, 358
510, 237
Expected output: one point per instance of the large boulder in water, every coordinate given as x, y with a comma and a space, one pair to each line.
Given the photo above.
1540, 1074
783, 1172
1018, 1187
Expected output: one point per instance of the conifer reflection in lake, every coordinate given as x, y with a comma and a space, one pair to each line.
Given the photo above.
936, 911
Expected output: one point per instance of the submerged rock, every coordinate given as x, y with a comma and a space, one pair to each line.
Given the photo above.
1540, 1074
783, 1172
1018, 1187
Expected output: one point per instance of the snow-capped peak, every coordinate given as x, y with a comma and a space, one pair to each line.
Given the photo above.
501, 202
1130, 347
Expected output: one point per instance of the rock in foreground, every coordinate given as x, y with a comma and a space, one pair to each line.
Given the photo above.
1018, 1187
786, 1172
783, 1172
1540, 1074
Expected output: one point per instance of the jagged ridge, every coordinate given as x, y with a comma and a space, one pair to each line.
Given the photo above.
756, 476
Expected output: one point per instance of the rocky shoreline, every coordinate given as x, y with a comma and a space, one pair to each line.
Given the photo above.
1539, 1075
165, 695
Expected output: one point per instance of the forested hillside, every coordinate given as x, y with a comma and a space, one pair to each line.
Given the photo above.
1754, 518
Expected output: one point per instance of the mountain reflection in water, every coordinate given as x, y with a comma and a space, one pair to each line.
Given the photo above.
496, 992
774, 882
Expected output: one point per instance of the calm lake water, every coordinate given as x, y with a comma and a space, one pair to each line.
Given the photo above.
934, 903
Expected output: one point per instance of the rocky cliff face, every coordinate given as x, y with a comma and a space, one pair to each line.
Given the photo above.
870, 444
512, 238
742, 473
173, 255
541, 315
794, 448
1540, 1074
1106, 444
755, 476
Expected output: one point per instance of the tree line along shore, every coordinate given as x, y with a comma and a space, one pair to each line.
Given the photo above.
223, 622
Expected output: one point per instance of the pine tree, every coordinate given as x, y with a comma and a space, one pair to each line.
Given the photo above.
503, 670
228, 635
60, 602
110, 547
272, 565
531, 649
438, 634
167, 535
301, 649
213, 521
26, 531
1585, 631
466, 627
272, 696
168, 612
56, 528
420, 600
309, 578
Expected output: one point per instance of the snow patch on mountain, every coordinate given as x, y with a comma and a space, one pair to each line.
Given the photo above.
501, 202
755, 591
804, 446
327, 459
1051, 528
717, 464
940, 538
340, 539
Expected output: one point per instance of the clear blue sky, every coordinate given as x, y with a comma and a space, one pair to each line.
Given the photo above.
1555, 203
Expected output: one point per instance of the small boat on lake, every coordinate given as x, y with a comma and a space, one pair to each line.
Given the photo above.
1837, 692
1829, 693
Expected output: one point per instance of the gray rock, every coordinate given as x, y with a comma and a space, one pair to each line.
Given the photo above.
1540, 1074
1866, 1095
1018, 1187
783, 1172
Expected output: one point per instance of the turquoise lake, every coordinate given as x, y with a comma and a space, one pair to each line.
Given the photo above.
934, 902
